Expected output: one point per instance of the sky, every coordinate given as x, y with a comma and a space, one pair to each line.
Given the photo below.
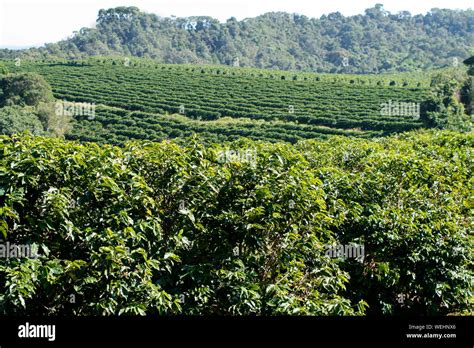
28, 23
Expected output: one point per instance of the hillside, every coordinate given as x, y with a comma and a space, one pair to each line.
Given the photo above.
139, 99
374, 42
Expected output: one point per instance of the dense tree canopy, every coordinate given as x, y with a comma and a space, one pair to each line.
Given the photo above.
27, 104
377, 41
24, 89
470, 63
15, 119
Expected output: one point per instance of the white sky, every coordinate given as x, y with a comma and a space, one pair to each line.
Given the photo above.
25, 23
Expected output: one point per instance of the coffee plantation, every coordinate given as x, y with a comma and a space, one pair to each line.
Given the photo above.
139, 99
168, 228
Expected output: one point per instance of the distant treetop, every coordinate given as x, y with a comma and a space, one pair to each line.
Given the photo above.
469, 61
374, 42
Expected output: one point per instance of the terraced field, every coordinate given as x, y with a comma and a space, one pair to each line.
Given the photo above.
149, 101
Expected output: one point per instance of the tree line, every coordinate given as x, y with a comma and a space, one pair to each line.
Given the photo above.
373, 42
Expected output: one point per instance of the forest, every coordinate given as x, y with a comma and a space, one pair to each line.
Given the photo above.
374, 42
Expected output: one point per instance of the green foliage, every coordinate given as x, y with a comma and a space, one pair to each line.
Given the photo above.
138, 99
15, 119
377, 41
3, 69
449, 88
467, 94
470, 63
32, 92
157, 228
138, 231
57, 124
470, 71
24, 89
408, 199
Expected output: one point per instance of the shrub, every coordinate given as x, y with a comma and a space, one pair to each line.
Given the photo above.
15, 119
24, 89
157, 228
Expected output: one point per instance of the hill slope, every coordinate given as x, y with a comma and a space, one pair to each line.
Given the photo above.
142, 100
371, 43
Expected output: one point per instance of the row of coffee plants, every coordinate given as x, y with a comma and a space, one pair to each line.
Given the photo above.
343, 226
206, 96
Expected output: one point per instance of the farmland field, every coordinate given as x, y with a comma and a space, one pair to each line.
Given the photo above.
229, 187
157, 228
141, 100
222, 174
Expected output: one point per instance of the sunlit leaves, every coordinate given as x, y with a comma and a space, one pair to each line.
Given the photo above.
155, 228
